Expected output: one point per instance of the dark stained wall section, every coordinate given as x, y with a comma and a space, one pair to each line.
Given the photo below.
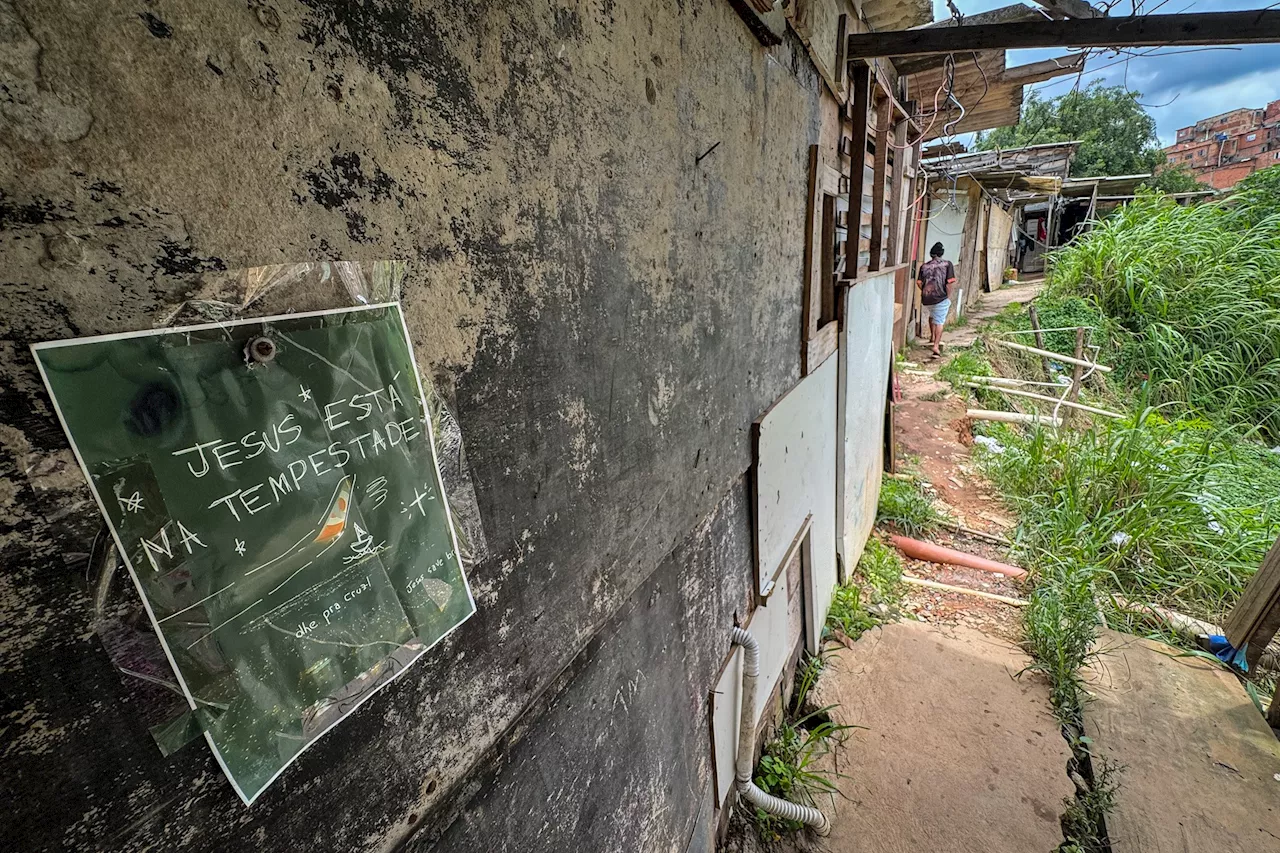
607, 313
619, 761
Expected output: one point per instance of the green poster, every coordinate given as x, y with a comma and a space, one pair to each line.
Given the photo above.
272, 485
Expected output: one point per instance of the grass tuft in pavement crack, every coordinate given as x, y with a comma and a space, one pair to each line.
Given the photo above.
1084, 823
791, 764
1060, 630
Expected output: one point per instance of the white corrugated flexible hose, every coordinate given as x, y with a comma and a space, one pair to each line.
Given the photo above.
747, 742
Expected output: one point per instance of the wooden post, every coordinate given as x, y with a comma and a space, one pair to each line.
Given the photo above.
1035, 327
890, 439
860, 98
1249, 27
884, 119
842, 37
1256, 617
811, 309
897, 205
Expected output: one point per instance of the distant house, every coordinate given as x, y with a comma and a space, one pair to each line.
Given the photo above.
1222, 150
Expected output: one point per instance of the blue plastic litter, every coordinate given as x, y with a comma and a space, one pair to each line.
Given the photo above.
1228, 653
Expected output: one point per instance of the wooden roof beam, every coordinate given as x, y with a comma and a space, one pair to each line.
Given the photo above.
1199, 28
918, 64
1046, 69
1005, 14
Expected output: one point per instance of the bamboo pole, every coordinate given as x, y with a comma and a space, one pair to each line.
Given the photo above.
946, 587
1012, 417
1066, 359
980, 534
1077, 370
1004, 381
1189, 627
1046, 398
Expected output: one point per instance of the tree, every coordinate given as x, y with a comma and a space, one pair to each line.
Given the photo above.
1175, 179
1116, 135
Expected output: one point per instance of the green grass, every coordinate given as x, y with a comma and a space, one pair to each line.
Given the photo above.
848, 613
973, 362
1062, 315
790, 768
1178, 514
791, 764
965, 363
1083, 822
1192, 297
908, 509
880, 568
877, 576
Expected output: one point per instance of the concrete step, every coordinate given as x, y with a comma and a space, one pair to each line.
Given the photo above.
1201, 768
959, 753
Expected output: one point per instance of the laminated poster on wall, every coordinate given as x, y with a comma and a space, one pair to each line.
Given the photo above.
272, 486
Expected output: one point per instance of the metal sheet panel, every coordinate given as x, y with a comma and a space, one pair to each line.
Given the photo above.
946, 225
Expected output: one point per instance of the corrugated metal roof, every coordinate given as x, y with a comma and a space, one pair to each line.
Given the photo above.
1045, 158
1106, 184
882, 15
1035, 168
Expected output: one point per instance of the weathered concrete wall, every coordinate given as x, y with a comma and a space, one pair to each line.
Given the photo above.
611, 312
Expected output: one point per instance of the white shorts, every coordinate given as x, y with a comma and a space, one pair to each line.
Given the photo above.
938, 312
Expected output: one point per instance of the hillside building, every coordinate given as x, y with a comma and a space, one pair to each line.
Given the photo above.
1224, 149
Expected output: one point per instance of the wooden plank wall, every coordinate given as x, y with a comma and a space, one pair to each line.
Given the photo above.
865, 165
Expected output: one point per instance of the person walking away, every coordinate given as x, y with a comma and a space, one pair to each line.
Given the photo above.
935, 280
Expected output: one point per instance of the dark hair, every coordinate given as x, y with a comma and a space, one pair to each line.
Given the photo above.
937, 251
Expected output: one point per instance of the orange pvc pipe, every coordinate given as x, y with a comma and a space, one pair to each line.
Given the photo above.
918, 550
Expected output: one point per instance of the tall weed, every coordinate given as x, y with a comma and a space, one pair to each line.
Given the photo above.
1060, 625
1194, 296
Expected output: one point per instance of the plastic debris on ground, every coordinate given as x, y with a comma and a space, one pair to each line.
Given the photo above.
989, 443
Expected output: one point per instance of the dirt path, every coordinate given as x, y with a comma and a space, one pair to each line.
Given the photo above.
949, 749
934, 440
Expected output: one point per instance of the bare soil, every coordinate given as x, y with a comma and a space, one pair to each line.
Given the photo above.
934, 441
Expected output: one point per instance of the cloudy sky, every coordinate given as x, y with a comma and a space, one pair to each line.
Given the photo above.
1178, 88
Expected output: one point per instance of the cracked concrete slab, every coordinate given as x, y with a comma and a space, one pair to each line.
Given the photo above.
958, 751
1201, 768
